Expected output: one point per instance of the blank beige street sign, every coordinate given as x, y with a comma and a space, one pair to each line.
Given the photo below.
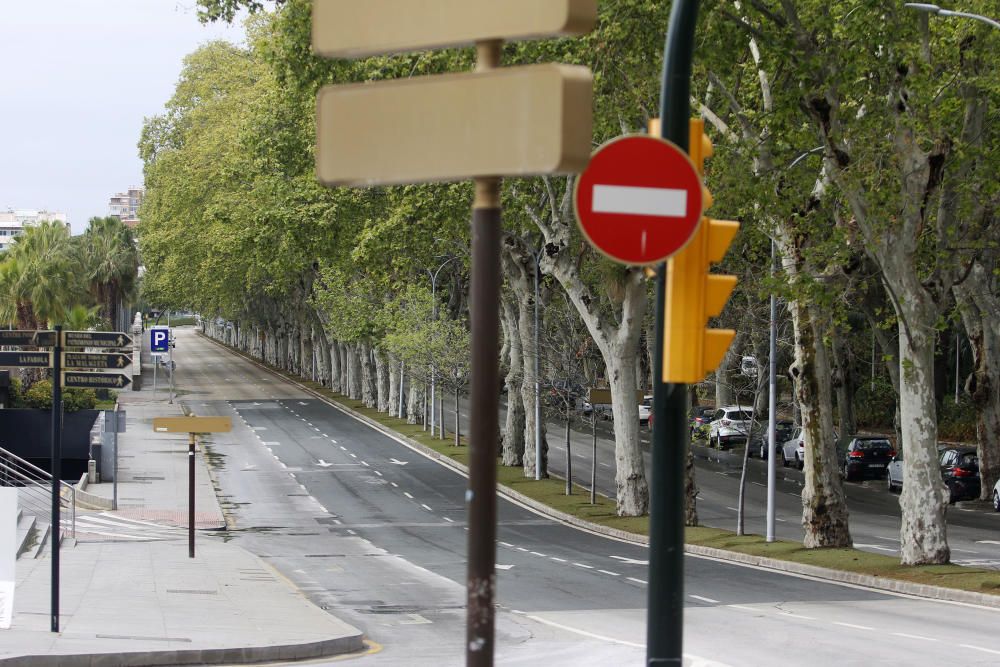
192, 424
358, 28
516, 121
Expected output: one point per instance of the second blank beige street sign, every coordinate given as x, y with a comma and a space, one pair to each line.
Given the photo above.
358, 28
515, 121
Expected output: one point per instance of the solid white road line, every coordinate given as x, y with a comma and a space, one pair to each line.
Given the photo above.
852, 625
704, 599
980, 648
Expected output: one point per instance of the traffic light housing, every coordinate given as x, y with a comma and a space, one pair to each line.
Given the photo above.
693, 295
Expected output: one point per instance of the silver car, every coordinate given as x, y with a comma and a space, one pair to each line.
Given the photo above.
894, 474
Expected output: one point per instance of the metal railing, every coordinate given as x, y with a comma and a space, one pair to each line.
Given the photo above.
35, 487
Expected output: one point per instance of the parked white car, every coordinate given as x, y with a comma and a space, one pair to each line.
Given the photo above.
645, 409
996, 496
793, 450
730, 425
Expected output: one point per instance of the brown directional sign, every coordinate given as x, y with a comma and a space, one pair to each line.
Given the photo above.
352, 29
96, 339
95, 360
192, 424
27, 337
26, 359
513, 121
95, 380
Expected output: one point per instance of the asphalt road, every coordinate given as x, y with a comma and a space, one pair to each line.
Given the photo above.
374, 532
973, 528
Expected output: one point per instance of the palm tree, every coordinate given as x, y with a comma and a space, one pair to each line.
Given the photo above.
111, 265
40, 276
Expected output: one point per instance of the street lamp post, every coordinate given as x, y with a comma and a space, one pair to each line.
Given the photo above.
538, 379
938, 11
434, 316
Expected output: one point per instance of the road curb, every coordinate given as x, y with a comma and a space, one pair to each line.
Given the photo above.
210, 656
815, 571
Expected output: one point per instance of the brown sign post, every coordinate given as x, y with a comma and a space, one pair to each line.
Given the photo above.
192, 426
483, 125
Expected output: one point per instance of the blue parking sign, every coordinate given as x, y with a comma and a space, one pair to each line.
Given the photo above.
159, 339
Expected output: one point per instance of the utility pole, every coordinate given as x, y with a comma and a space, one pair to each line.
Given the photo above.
56, 525
538, 378
772, 404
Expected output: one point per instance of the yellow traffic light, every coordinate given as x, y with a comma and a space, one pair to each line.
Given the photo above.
693, 294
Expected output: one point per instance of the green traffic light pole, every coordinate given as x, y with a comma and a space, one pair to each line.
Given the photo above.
665, 610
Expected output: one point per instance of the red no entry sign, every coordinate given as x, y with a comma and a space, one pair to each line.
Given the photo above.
639, 201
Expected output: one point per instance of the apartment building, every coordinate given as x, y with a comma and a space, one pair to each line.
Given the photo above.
14, 221
125, 205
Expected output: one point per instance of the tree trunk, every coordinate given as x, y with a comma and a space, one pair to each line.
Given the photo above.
979, 304
416, 397
336, 385
368, 385
512, 441
354, 370
393, 369
924, 499
630, 478
690, 492
382, 374
458, 425
305, 351
844, 383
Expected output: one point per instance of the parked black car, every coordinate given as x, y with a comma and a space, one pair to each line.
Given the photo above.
866, 456
783, 430
960, 470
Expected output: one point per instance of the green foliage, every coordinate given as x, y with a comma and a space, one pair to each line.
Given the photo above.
875, 404
39, 396
957, 421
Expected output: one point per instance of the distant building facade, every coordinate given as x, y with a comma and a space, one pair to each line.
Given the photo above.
125, 205
14, 221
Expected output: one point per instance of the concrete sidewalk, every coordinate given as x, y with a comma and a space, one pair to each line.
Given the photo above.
130, 595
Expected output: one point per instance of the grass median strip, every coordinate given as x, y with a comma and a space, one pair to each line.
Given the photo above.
552, 492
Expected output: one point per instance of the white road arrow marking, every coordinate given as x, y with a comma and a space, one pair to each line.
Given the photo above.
398, 462
324, 464
661, 202
631, 561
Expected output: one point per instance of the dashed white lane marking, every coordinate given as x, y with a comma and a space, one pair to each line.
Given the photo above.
704, 599
337, 521
852, 625
394, 484
980, 648
343, 448
426, 507
448, 520
315, 429
603, 638
638, 581
535, 553
282, 464
353, 455
365, 464
743, 608
584, 566
613, 574
558, 560
732, 508
321, 506
522, 549
407, 494
903, 634
507, 544
605, 465
351, 531
377, 473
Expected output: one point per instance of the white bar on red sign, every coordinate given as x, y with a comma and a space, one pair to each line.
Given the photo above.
628, 200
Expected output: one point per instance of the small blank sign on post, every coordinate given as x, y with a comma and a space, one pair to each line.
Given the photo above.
354, 29
192, 424
516, 121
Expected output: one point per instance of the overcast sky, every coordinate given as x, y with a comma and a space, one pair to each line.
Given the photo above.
77, 77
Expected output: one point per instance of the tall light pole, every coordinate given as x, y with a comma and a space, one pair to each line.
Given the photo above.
938, 11
434, 317
772, 403
538, 378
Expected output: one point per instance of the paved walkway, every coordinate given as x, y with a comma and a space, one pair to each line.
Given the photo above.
130, 595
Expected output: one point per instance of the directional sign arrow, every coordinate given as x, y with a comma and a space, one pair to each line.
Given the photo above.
398, 462
324, 464
26, 359
28, 337
96, 339
95, 380
93, 360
